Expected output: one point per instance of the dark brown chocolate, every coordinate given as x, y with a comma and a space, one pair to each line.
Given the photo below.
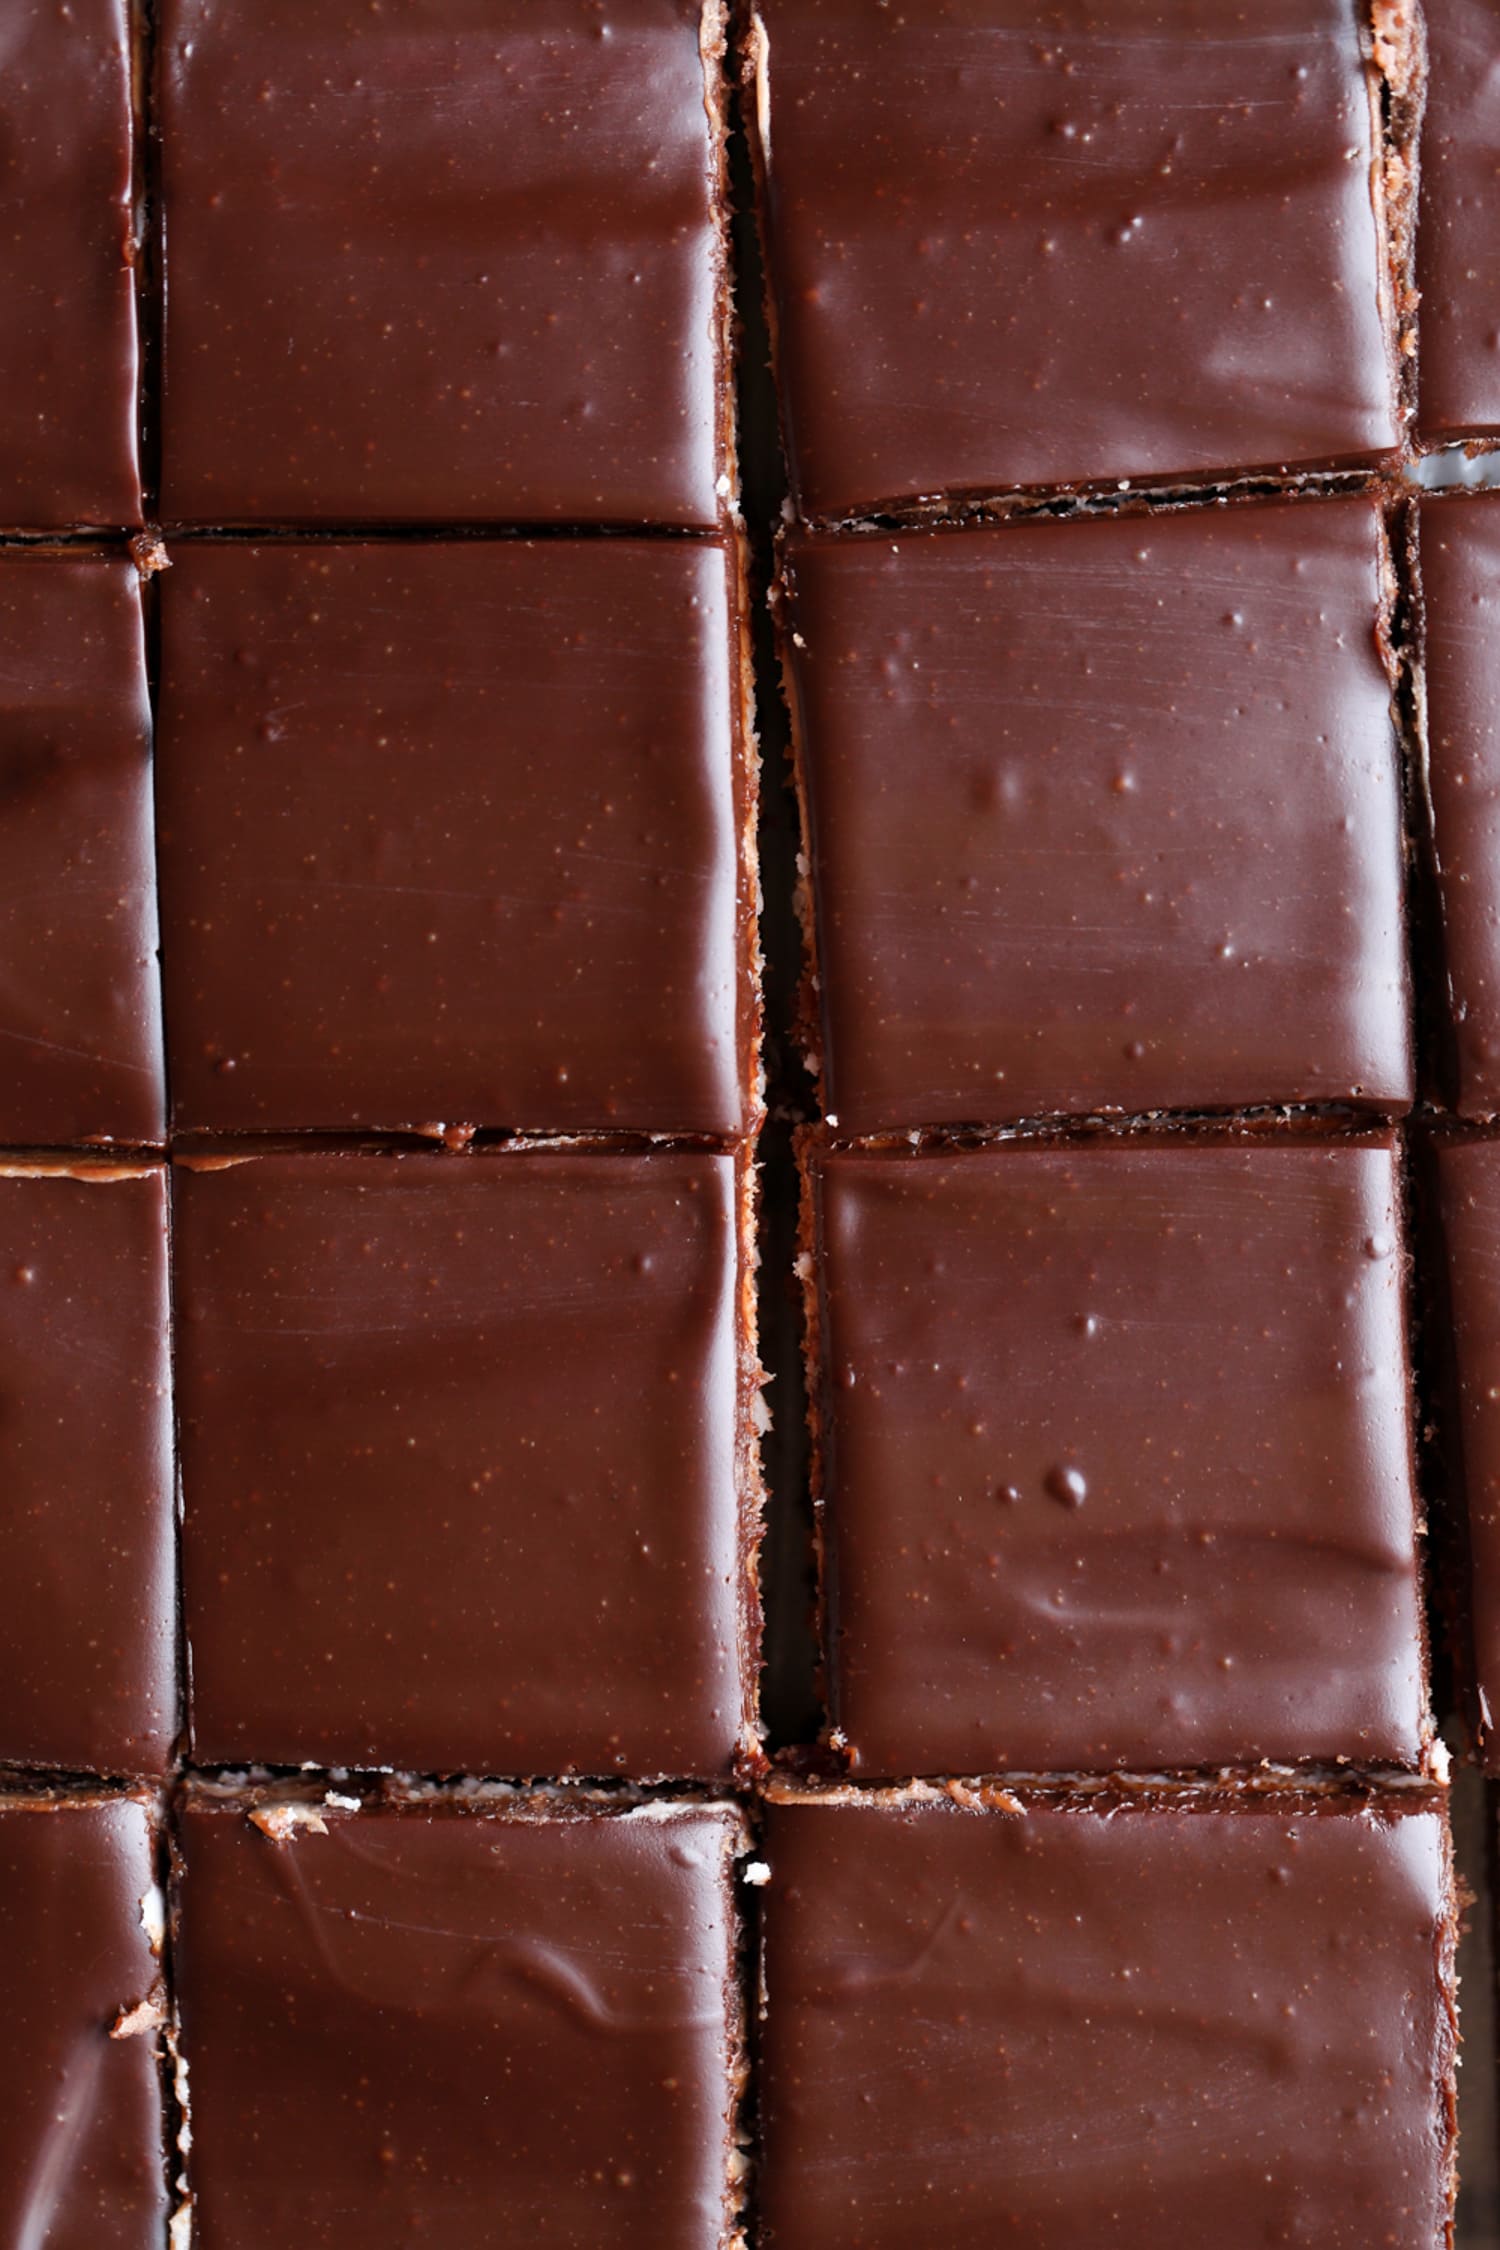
1052, 2028
1038, 242
67, 258
456, 832
1116, 1464
466, 1462
1468, 1182
1458, 238
1103, 815
88, 1659
461, 2028
82, 2160
461, 263
80, 1001
1460, 587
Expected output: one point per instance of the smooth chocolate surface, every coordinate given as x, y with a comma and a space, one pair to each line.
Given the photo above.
466, 1474
1458, 238
80, 1000
67, 258
88, 1660
1460, 584
1116, 1458
460, 2028
453, 832
1468, 1177
82, 2161
459, 262
1104, 814
1020, 244
1056, 2028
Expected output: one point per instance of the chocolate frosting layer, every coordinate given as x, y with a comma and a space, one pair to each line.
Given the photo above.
1103, 815
464, 1462
80, 999
453, 832
1058, 2028
478, 2028
1116, 1457
1458, 238
88, 1660
82, 2160
1460, 590
67, 259
458, 263
1468, 1178
1019, 244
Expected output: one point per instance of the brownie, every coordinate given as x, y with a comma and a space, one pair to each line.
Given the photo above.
1467, 1173
457, 832
82, 2160
1176, 2022
1038, 242
88, 1661
467, 1461
67, 259
1458, 241
457, 263
1103, 815
482, 2026
80, 1001
1459, 574
1116, 1467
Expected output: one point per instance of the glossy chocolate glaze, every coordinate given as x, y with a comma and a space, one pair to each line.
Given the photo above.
82, 2163
80, 1001
465, 2029
1460, 583
88, 1660
1103, 814
1161, 2027
67, 255
454, 832
1468, 1182
1027, 242
1116, 1456
464, 1461
1458, 238
454, 263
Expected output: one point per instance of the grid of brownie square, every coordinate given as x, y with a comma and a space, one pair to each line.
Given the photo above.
1108, 820
450, 1076
1126, 1056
